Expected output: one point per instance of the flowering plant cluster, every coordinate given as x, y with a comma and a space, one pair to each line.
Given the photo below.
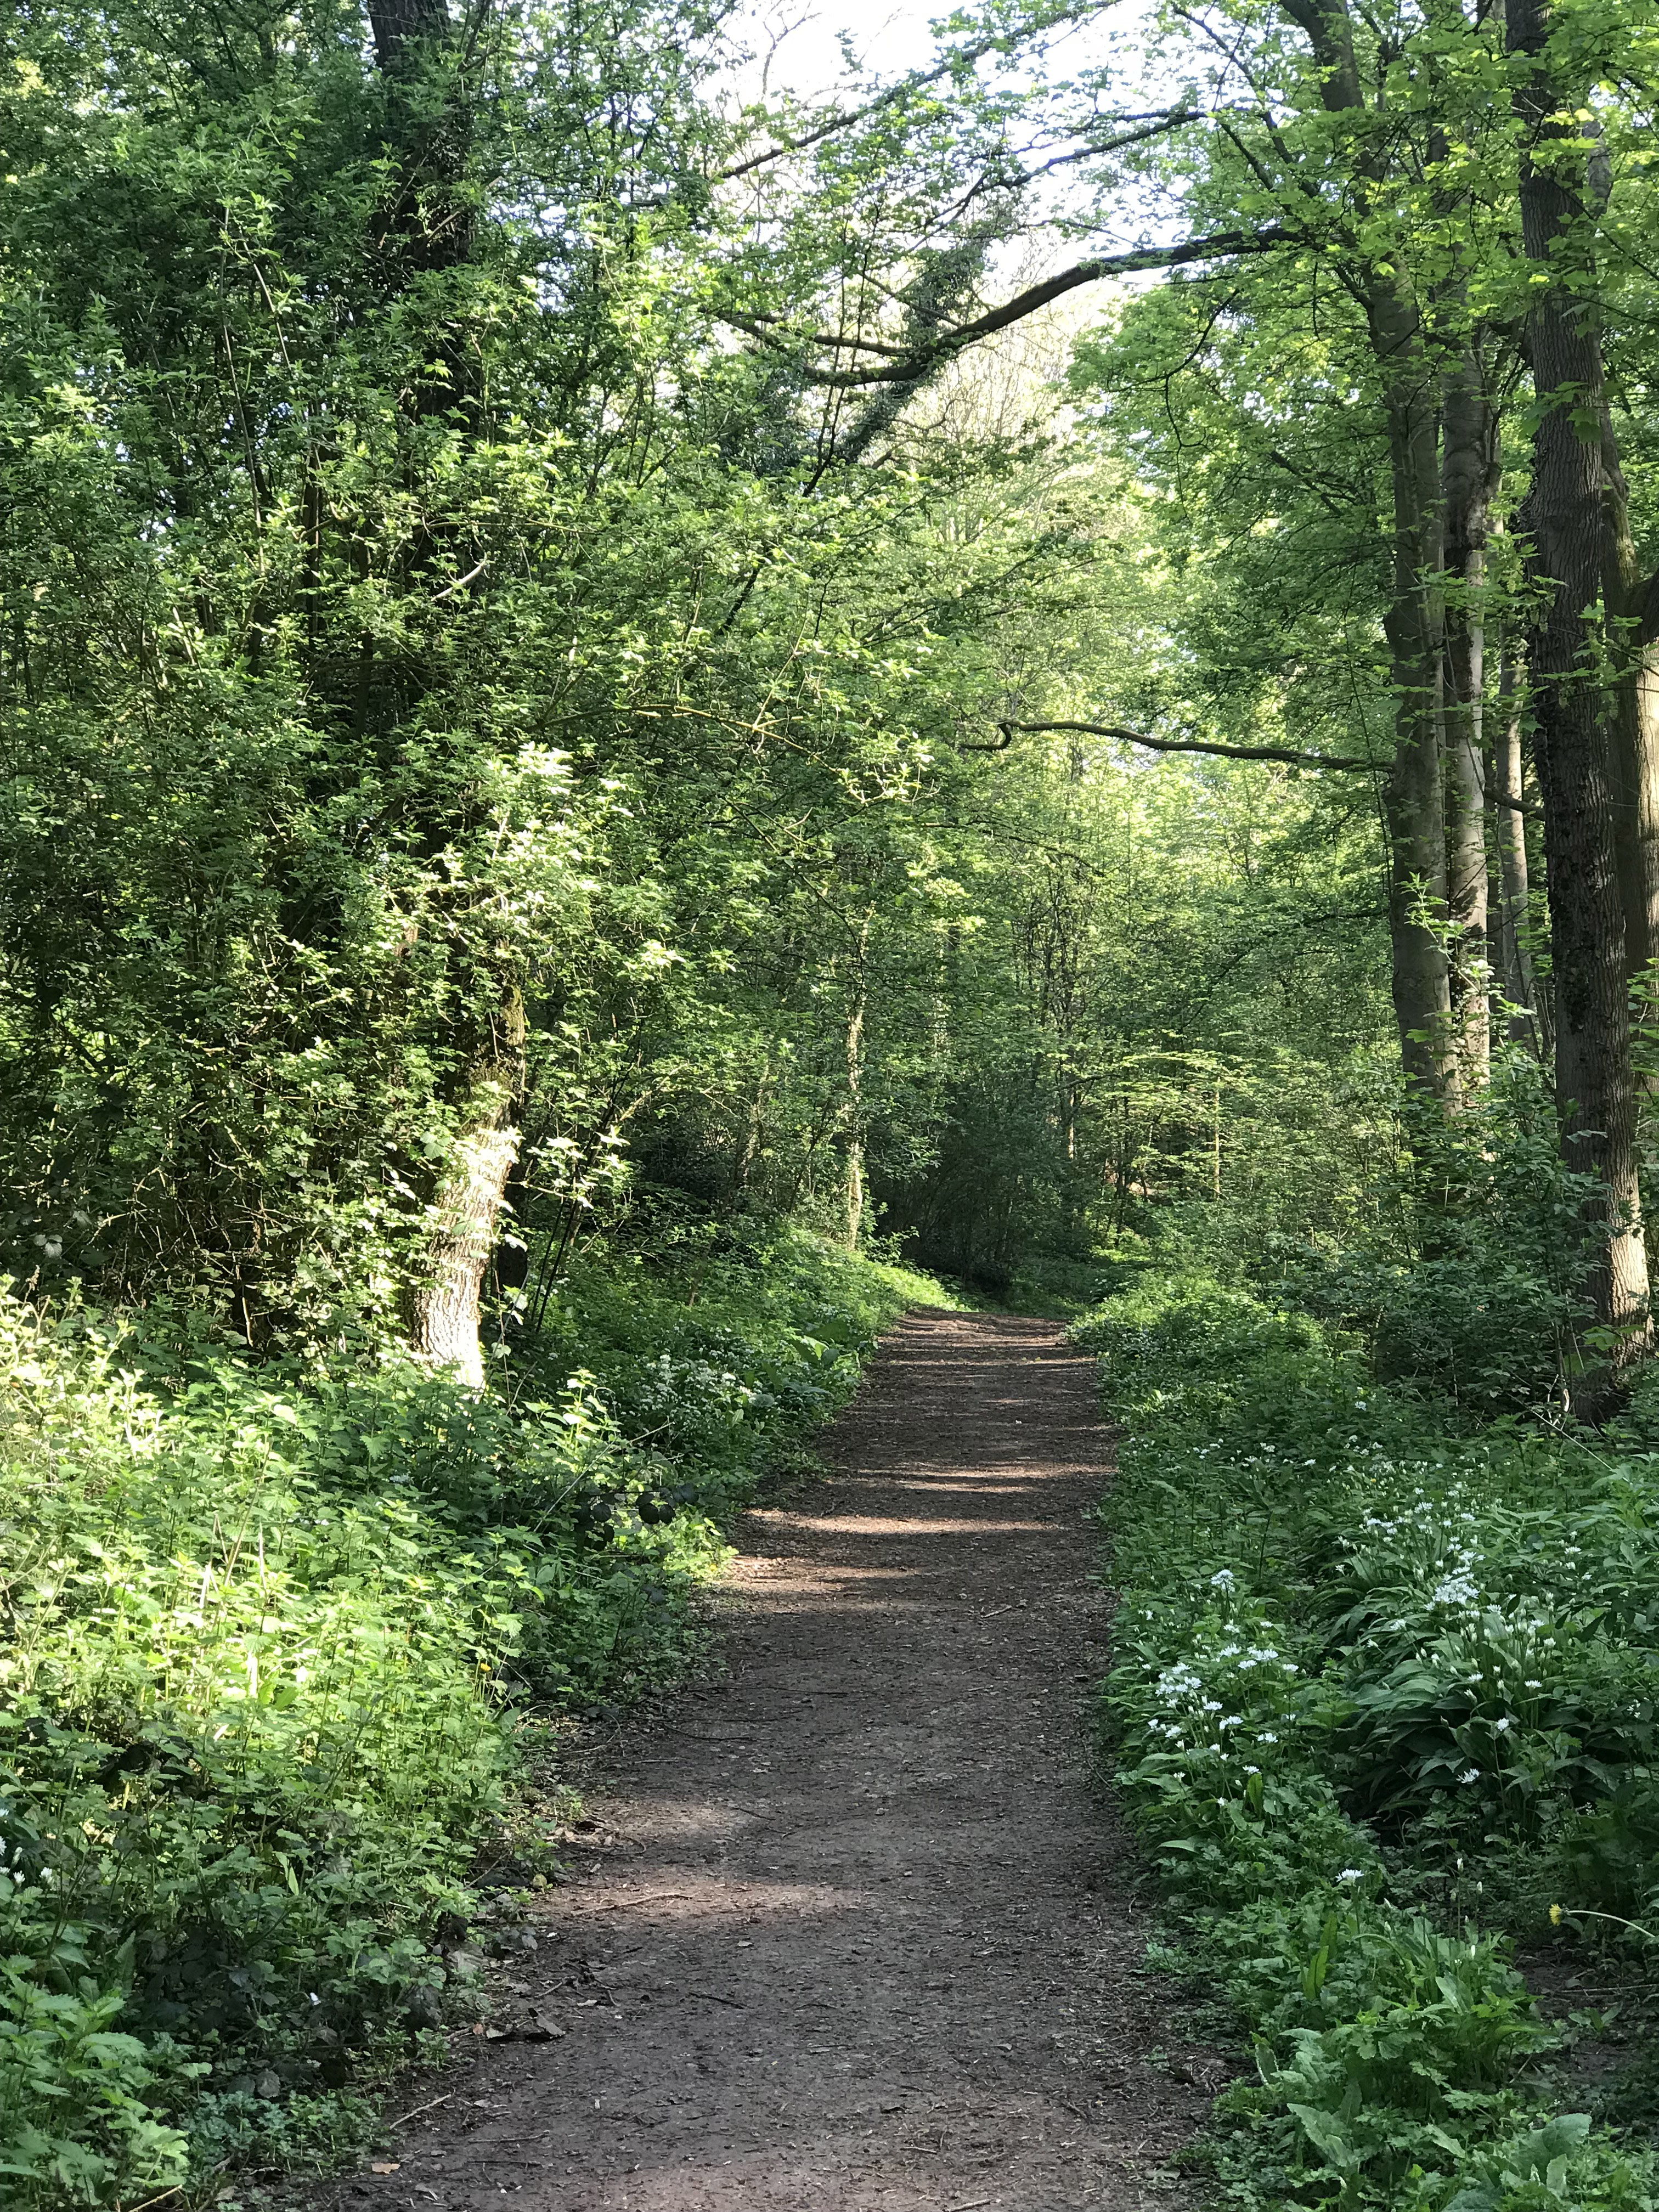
1351, 1648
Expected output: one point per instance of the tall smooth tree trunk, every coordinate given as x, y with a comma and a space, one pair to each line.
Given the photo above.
1468, 480
1419, 906
1632, 610
1509, 831
1415, 798
855, 1126
855, 1013
1574, 555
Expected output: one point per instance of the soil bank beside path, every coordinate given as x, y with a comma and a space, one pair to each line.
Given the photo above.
856, 1938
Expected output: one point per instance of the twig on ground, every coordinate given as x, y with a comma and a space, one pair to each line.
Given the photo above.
403, 2117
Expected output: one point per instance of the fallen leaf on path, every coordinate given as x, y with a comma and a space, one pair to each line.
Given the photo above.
385, 2166
531, 2030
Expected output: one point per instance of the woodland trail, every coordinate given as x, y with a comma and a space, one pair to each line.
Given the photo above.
854, 1937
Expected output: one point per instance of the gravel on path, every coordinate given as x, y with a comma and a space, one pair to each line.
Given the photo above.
858, 1937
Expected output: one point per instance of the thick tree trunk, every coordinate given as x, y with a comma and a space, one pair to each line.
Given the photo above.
442, 1304
1573, 556
1468, 478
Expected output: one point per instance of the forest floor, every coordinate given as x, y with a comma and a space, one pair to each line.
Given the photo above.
855, 1933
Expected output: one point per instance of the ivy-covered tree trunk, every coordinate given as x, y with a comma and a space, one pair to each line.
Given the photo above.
442, 1304
426, 228
1574, 556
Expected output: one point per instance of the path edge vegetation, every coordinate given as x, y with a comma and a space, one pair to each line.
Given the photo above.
1382, 1714
294, 1647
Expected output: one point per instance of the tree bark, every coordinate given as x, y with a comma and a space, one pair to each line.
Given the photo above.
1515, 943
1573, 554
1468, 480
442, 1304
1636, 727
1415, 798
1418, 910
855, 1012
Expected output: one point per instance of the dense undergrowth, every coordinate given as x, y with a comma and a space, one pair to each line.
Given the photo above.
283, 1642
1385, 1695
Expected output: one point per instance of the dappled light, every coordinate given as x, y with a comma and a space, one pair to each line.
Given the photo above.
854, 1935
748, 751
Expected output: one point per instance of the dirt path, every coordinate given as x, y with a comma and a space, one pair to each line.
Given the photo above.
859, 1942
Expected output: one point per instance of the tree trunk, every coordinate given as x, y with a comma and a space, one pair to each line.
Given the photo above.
1468, 480
424, 227
1515, 942
1414, 622
1573, 556
1636, 727
1414, 800
855, 1195
441, 1305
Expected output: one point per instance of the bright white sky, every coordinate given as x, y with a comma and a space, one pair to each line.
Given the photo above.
797, 47
798, 42
804, 36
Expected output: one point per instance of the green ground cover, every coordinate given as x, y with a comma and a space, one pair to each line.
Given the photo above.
1384, 1695
285, 1643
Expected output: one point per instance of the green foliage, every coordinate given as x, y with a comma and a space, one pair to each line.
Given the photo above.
1362, 1658
270, 1629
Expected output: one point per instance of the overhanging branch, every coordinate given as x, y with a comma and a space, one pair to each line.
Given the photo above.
923, 360
1010, 731
1350, 762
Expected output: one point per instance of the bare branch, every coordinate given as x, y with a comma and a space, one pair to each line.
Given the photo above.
1348, 761
924, 359
1155, 125
845, 119
1011, 730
